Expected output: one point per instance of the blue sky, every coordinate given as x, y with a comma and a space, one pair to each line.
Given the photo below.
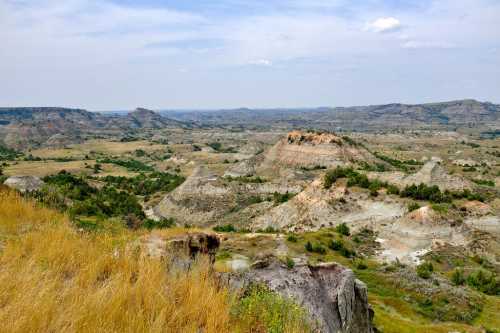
160, 54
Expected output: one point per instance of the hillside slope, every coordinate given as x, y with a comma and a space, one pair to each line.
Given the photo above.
24, 127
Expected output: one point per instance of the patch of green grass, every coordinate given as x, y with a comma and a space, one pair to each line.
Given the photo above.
224, 228
280, 198
440, 208
484, 182
261, 310
223, 255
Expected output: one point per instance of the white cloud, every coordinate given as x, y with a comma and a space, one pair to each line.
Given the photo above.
411, 44
261, 62
71, 52
384, 24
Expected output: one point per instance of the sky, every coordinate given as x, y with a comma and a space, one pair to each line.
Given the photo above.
200, 54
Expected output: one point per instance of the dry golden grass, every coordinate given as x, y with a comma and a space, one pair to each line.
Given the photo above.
54, 279
99, 146
44, 168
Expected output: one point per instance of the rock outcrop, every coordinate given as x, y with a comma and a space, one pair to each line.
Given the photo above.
187, 245
24, 183
334, 298
413, 235
432, 173
317, 207
204, 198
310, 149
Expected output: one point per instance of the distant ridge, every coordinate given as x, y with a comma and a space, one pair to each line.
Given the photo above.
452, 114
31, 126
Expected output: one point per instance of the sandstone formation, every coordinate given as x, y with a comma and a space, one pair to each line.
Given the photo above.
432, 173
413, 235
311, 149
316, 207
204, 198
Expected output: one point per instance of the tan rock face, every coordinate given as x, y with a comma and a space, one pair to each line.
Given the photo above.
317, 207
204, 199
431, 173
299, 137
304, 149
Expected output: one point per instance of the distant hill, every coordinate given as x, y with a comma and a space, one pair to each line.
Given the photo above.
32, 126
463, 113
23, 127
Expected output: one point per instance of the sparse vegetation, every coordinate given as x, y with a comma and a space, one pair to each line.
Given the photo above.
225, 228
484, 182
146, 184
424, 270
246, 179
261, 310
315, 247
484, 281
8, 154
131, 164
343, 229
88, 201
280, 198
413, 206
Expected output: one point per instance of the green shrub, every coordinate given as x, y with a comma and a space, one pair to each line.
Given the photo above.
343, 229
143, 184
318, 248
8, 154
392, 189
345, 252
484, 281
246, 179
337, 173
440, 208
131, 164
425, 270
457, 277
315, 247
336, 245
279, 198
268, 230
484, 182
289, 263
161, 224
413, 206
361, 265
224, 228
292, 238
261, 310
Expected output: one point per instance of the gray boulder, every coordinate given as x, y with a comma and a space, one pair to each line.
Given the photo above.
334, 298
24, 183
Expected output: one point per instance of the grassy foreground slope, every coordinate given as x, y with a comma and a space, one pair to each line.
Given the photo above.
54, 278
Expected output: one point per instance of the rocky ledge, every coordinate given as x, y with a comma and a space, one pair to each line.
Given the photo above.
334, 298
